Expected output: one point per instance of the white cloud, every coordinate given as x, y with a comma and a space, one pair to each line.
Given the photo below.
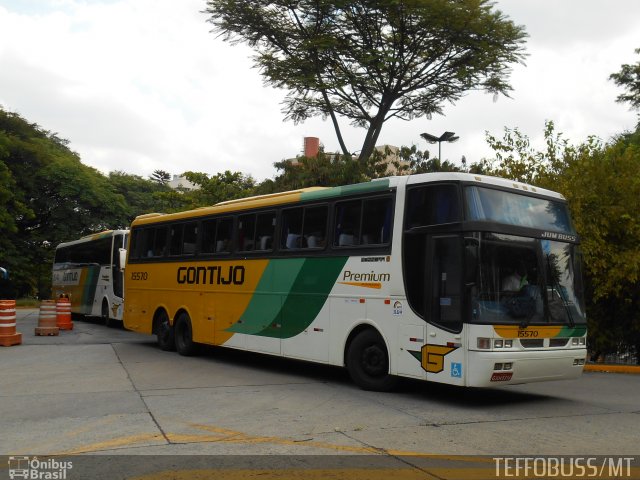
139, 85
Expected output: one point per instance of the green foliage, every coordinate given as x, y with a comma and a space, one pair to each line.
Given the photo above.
160, 176
218, 188
50, 197
372, 61
140, 194
629, 78
601, 183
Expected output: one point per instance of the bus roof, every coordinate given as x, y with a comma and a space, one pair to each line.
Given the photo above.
273, 199
93, 236
321, 193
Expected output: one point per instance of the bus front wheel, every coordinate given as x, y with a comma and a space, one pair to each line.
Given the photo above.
368, 362
165, 333
184, 336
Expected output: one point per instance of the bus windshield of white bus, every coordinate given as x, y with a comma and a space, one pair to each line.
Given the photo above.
527, 281
486, 204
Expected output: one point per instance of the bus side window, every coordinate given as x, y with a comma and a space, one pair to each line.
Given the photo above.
189, 238
315, 226
246, 232
347, 229
160, 242
265, 228
224, 235
175, 246
433, 205
209, 236
291, 234
376, 225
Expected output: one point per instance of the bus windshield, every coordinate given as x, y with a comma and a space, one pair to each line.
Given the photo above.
486, 204
527, 281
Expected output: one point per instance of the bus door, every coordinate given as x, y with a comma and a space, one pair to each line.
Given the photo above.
443, 355
117, 273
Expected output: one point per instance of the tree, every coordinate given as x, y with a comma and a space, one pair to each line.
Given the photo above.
370, 61
140, 194
629, 78
602, 188
218, 188
50, 197
160, 176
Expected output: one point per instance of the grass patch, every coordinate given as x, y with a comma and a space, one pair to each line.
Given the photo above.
27, 303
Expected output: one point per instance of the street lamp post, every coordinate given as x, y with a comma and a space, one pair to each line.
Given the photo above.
445, 137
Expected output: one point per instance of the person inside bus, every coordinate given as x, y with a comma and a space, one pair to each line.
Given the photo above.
517, 280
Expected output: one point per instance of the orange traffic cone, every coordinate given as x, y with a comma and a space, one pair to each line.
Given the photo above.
47, 319
63, 314
8, 335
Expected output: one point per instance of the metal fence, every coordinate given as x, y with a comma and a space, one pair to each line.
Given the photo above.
624, 356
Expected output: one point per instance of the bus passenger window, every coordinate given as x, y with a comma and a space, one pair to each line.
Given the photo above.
347, 231
315, 226
224, 235
291, 237
176, 239
376, 226
209, 236
189, 238
160, 244
265, 229
246, 232
433, 205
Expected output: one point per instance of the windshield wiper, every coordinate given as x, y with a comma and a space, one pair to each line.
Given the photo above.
556, 286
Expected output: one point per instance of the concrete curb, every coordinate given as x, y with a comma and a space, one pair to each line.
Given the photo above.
594, 367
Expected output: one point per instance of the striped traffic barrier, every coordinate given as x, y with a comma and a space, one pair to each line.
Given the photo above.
8, 334
63, 314
47, 319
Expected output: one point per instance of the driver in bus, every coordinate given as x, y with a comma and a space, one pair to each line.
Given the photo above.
517, 280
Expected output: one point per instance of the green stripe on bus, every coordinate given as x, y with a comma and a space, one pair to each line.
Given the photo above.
89, 290
358, 188
307, 296
289, 296
577, 331
265, 306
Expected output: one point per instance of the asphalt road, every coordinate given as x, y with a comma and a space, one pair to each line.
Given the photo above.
109, 392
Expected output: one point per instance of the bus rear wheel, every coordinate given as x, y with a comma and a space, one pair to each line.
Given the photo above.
165, 333
184, 336
368, 362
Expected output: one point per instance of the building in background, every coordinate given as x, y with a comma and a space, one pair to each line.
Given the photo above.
311, 147
181, 183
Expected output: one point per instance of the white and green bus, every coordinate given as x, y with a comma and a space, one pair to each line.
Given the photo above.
397, 277
89, 271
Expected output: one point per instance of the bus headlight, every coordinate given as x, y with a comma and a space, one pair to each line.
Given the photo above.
498, 343
484, 343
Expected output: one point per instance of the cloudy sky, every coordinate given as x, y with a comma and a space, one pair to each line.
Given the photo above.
140, 85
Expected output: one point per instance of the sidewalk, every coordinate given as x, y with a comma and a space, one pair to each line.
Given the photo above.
601, 367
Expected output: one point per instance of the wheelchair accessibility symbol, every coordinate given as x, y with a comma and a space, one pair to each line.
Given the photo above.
456, 370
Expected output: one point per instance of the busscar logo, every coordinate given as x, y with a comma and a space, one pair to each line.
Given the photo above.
36, 469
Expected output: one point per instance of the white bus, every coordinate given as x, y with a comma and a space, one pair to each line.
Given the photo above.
90, 273
406, 276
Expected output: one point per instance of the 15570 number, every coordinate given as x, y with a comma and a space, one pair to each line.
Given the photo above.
139, 275
528, 333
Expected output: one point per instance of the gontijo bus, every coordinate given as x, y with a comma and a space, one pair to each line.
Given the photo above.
401, 276
89, 271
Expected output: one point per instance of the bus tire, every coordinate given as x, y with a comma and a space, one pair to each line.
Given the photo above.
184, 336
368, 362
165, 333
105, 313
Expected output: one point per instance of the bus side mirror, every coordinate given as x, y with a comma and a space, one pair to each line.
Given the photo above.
470, 261
123, 258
